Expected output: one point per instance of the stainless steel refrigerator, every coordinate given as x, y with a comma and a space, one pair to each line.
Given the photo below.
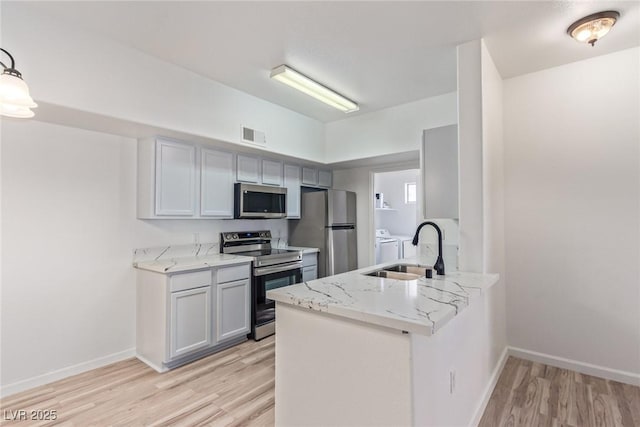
328, 222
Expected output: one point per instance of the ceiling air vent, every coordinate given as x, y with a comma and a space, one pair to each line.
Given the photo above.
253, 136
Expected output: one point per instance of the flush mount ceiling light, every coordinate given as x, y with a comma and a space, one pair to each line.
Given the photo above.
593, 27
15, 100
312, 88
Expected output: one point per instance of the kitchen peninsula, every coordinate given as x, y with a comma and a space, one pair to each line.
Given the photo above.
353, 349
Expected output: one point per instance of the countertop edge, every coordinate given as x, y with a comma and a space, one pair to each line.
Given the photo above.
189, 264
490, 279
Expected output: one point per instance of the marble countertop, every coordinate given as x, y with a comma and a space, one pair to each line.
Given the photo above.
418, 306
185, 258
175, 265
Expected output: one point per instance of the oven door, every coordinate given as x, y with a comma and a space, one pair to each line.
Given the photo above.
263, 310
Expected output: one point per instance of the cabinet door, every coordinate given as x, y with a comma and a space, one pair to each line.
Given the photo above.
216, 187
309, 273
292, 183
233, 309
309, 176
272, 172
190, 321
175, 178
324, 179
310, 259
247, 169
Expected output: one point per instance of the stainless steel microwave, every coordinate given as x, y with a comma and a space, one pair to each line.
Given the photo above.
260, 201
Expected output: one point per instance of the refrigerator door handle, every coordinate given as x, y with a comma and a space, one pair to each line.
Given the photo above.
342, 227
330, 258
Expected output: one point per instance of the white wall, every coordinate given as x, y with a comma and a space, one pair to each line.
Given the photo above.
69, 227
493, 204
402, 220
470, 156
572, 195
86, 72
392, 130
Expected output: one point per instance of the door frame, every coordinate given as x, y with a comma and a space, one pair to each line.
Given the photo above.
395, 167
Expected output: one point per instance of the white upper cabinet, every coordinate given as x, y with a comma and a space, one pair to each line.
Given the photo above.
248, 169
216, 184
271, 172
175, 178
183, 180
309, 176
324, 178
292, 183
313, 177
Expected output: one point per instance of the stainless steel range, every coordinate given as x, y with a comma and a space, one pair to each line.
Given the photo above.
272, 268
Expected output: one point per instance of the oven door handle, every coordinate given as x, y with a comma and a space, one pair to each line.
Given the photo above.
262, 271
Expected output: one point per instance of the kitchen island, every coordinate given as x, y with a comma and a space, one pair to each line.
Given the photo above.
352, 349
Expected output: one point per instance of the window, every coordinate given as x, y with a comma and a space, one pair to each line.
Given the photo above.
410, 192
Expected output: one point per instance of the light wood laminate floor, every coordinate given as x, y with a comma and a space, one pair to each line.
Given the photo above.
236, 388
232, 388
533, 394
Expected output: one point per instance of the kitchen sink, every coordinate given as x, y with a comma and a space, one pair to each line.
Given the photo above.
408, 268
400, 272
392, 275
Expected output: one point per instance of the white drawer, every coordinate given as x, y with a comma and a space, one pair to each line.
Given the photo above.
184, 281
229, 274
310, 259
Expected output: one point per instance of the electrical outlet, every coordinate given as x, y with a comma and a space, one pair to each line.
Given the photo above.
452, 382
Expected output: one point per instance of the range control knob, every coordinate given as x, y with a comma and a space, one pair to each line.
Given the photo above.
235, 236
263, 235
227, 236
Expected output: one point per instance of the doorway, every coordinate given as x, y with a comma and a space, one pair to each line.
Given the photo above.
395, 214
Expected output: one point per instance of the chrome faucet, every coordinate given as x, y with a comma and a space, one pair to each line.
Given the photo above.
439, 265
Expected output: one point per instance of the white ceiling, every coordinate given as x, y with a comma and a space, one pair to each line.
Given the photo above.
379, 54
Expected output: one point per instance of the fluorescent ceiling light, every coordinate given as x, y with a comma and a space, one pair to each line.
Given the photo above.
312, 88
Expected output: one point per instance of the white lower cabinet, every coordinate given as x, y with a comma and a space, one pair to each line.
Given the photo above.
309, 266
309, 273
190, 320
233, 309
184, 316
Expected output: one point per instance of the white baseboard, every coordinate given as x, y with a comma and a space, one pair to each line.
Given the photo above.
488, 391
159, 369
49, 377
574, 365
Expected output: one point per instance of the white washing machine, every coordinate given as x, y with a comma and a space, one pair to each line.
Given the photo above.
405, 247
386, 246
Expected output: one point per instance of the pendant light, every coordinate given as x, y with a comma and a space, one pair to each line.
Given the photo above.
15, 100
592, 28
